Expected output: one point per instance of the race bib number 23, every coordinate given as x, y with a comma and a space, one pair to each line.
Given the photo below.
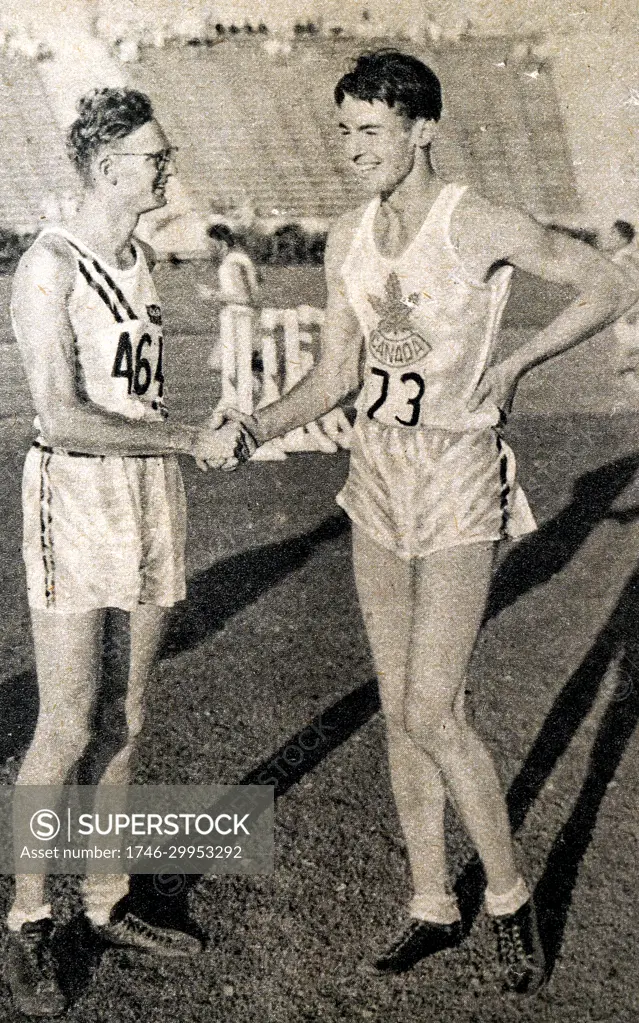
399, 399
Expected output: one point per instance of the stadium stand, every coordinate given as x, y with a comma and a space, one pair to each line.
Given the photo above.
33, 163
250, 135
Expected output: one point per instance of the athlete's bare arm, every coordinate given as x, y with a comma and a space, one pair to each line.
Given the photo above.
42, 287
487, 235
336, 372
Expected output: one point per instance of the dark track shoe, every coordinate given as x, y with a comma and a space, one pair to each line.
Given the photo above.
30, 970
519, 951
420, 939
132, 932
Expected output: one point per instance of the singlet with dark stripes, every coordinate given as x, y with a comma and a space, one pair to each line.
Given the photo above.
117, 325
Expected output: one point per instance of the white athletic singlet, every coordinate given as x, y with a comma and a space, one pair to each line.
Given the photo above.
107, 530
117, 324
426, 474
428, 327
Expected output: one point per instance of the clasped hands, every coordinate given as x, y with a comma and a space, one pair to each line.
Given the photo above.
225, 440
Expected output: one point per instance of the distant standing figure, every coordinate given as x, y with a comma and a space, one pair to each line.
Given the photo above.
239, 293
237, 275
621, 245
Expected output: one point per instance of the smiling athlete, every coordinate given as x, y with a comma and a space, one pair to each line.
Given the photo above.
103, 500
423, 272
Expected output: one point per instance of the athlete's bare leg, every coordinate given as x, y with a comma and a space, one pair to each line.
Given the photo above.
68, 650
146, 630
385, 587
102, 891
449, 599
68, 656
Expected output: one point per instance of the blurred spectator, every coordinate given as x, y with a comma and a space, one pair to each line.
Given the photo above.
259, 244
239, 294
284, 244
289, 246
620, 243
315, 248
237, 277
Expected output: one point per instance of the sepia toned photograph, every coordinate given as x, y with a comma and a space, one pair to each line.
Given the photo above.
319, 392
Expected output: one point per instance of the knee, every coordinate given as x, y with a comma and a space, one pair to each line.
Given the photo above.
135, 723
63, 739
439, 735
401, 743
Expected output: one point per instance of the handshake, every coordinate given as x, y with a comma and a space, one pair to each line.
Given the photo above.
225, 440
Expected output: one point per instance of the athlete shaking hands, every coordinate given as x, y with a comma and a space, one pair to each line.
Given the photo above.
421, 273
103, 499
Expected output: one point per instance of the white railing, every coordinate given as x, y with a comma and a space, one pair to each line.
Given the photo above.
287, 340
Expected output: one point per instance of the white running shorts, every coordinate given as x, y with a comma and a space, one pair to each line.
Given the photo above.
420, 491
102, 531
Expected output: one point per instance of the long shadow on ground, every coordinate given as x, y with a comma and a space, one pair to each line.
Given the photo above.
213, 597
284, 768
554, 891
553, 895
540, 555
617, 641
227, 587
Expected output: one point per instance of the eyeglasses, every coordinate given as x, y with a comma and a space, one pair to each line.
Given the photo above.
163, 158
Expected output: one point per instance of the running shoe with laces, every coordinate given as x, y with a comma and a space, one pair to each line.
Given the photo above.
30, 970
519, 950
421, 938
132, 932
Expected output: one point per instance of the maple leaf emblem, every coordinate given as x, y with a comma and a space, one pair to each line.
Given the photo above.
396, 341
394, 310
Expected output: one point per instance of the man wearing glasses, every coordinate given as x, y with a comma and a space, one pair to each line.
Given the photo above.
103, 500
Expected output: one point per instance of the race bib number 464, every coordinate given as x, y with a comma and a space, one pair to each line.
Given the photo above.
138, 360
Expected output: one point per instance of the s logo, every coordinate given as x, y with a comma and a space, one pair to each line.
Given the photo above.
45, 825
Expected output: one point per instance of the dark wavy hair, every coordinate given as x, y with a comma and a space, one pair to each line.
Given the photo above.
103, 116
396, 79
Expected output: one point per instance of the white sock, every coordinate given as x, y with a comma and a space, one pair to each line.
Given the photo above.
17, 917
100, 893
99, 917
436, 909
509, 902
